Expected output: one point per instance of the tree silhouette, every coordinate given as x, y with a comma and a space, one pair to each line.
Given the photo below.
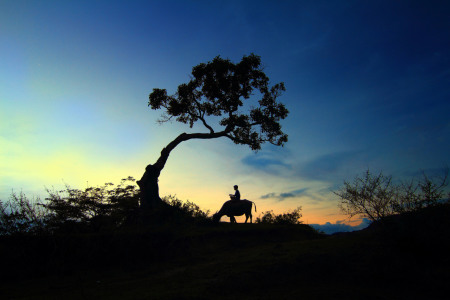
218, 88
378, 196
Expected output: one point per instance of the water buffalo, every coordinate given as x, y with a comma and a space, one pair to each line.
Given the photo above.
233, 208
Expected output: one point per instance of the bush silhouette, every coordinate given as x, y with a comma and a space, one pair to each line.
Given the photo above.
20, 215
186, 210
94, 209
289, 218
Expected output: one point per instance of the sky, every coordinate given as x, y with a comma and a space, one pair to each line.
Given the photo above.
367, 86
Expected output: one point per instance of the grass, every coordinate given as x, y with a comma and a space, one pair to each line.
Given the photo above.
230, 261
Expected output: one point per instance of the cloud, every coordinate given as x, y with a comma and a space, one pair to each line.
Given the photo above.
331, 167
268, 196
259, 162
339, 226
284, 196
327, 167
272, 162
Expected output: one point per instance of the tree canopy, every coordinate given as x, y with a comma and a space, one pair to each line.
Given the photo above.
219, 88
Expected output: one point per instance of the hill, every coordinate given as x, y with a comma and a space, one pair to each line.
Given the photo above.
403, 257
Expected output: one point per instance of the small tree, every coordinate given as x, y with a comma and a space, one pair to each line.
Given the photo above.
368, 195
417, 194
218, 89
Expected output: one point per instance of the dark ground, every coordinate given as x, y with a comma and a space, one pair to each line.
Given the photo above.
405, 258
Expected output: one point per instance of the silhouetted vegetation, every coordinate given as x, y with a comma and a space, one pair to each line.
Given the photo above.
20, 215
180, 212
94, 209
377, 196
225, 90
289, 218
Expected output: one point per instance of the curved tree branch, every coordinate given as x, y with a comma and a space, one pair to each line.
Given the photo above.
165, 152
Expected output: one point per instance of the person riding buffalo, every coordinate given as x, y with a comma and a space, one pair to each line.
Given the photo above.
237, 194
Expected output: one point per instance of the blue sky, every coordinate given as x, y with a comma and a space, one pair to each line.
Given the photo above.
368, 86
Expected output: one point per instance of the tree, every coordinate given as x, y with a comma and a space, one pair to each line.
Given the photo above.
417, 194
218, 89
369, 195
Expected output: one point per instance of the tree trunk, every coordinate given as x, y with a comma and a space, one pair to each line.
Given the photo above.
149, 189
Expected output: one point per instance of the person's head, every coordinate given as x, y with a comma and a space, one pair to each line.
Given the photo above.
235, 187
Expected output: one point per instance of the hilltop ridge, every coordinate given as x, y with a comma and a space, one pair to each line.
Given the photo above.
400, 257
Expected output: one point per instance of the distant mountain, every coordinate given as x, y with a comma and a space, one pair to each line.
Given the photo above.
330, 228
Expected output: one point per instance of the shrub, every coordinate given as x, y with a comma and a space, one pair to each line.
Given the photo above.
20, 215
188, 209
99, 208
376, 196
289, 218
93, 209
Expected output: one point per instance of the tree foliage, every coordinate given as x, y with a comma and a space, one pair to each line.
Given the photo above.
220, 88
377, 196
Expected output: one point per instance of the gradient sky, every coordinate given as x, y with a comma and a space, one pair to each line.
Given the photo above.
368, 86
